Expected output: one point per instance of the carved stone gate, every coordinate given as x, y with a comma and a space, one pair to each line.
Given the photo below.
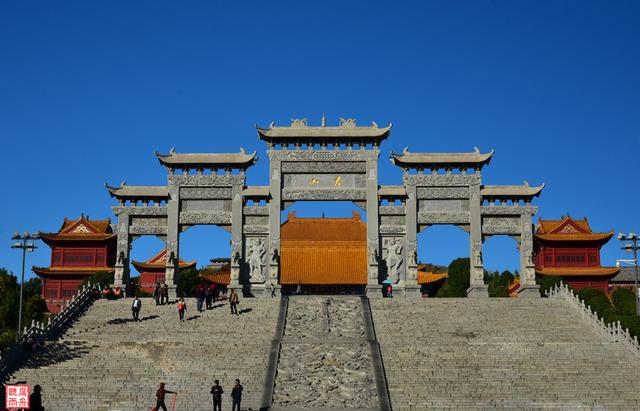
321, 163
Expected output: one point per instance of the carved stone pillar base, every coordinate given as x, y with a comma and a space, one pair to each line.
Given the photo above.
478, 291
173, 292
118, 277
412, 290
374, 290
529, 291
235, 275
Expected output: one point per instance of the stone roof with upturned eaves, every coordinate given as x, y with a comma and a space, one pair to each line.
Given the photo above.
438, 160
206, 160
125, 191
299, 130
520, 191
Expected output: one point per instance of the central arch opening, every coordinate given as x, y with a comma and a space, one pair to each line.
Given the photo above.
323, 248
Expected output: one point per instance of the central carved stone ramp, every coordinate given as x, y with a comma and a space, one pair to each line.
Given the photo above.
501, 353
106, 362
329, 358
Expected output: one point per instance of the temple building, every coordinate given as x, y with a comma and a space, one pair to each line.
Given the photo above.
568, 248
323, 254
152, 271
79, 249
218, 272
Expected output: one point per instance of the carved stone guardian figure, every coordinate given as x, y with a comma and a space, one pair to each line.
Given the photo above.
255, 259
393, 258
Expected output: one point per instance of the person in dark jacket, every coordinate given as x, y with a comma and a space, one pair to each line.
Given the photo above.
200, 294
233, 301
157, 292
164, 297
35, 399
216, 392
236, 396
136, 305
160, 394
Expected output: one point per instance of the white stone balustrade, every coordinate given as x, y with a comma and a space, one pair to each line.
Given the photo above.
612, 331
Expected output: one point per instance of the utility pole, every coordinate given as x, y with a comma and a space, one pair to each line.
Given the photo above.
27, 247
632, 247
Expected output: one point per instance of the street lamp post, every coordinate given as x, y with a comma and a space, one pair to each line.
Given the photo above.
27, 247
632, 247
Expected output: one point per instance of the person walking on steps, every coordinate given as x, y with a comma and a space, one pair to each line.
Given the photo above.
233, 301
236, 396
182, 307
35, 399
160, 394
136, 305
157, 293
216, 392
164, 296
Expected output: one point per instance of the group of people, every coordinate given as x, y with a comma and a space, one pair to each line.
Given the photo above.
136, 304
110, 293
216, 393
161, 294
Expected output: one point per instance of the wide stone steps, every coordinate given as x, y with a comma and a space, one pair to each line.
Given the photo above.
500, 353
107, 362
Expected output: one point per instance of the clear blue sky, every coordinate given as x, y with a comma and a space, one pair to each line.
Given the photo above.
88, 90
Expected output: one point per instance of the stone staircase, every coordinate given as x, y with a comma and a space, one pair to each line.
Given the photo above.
500, 353
108, 362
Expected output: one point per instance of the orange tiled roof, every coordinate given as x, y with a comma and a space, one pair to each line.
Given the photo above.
568, 229
513, 287
159, 261
323, 251
222, 276
81, 229
427, 277
578, 271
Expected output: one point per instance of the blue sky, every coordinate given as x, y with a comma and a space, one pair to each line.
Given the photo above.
88, 90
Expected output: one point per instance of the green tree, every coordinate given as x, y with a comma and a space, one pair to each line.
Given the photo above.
547, 282
139, 291
188, 281
457, 281
103, 278
33, 307
624, 301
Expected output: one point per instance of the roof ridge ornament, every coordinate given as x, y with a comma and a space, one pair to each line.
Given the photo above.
324, 120
299, 122
347, 122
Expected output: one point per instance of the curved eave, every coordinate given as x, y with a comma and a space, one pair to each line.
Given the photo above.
193, 160
138, 192
140, 266
51, 239
425, 277
302, 133
48, 271
600, 238
578, 271
438, 160
511, 191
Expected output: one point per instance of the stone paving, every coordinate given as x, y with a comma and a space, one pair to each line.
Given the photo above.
500, 354
325, 360
107, 362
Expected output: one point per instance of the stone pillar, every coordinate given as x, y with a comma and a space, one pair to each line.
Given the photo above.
477, 287
528, 286
236, 235
374, 288
173, 241
275, 206
412, 288
121, 276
